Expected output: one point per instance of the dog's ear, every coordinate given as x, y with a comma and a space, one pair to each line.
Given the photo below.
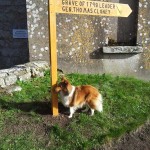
66, 82
63, 78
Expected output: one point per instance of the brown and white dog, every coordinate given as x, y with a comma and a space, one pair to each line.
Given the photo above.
76, 97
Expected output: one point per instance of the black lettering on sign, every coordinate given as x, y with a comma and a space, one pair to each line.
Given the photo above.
66, 9
87, 10
77, 10
87, 7
70, 2
81, 3
101, 11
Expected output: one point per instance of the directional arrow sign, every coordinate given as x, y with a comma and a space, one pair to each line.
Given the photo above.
97, 8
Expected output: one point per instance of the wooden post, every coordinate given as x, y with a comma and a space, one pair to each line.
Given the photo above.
53, 54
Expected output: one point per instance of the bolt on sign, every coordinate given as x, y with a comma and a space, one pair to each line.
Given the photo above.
81, 7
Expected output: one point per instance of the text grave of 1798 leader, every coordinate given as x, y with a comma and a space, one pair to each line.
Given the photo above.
87, 7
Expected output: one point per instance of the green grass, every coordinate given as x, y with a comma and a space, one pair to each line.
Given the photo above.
126, 107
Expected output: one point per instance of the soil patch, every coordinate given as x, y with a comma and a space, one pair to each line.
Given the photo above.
136, 140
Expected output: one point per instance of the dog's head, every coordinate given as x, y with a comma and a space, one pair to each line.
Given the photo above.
63, 86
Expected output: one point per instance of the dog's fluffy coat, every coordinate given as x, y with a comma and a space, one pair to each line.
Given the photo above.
76, 97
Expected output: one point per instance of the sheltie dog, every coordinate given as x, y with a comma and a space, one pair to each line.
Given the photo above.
76, 97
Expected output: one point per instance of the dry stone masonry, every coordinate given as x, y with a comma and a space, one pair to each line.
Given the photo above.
8, 77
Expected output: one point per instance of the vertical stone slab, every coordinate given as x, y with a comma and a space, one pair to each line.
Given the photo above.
13, 16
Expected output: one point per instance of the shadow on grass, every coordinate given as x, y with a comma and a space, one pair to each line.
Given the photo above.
42, 108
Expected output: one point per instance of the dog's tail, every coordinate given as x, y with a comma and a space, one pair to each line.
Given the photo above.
99, 103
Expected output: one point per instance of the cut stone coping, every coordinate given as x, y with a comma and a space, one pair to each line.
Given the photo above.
122, 49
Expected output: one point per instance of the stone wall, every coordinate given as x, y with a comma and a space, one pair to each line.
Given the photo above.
81, 38
23, 72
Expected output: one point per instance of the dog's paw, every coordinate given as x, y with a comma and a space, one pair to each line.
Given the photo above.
70, 116
85, 110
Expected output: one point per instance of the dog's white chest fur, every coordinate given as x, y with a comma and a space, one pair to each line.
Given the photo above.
66, 99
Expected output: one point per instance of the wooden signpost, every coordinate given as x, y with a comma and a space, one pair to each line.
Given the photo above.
53, 54
84, 7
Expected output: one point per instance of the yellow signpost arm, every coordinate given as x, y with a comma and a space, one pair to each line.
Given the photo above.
53, 55
96, 8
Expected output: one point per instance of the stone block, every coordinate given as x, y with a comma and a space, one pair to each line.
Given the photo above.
36, 73
13, 88
2, 83
24, 77
9, 80
3, 74
122, 49
40, 65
